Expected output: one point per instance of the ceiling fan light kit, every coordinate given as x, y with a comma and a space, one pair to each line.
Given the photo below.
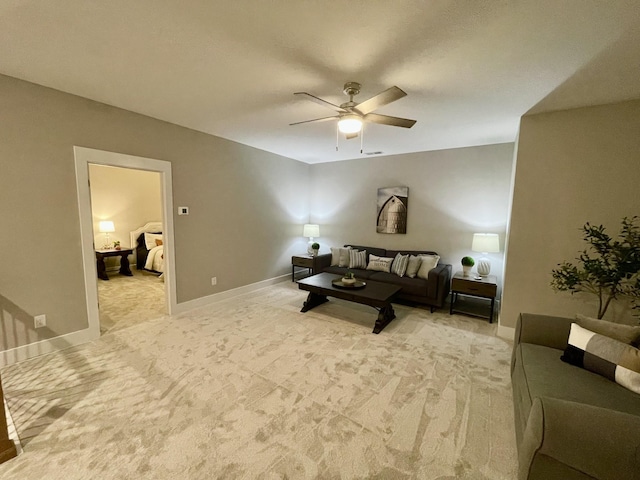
351, 115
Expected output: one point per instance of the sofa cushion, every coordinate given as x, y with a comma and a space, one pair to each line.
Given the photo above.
412, 266
624, 333
617, 361
357, 258
379, 264
360, 273
340, 256
410, 286
380, 252
399, 265
539, 372
428, 262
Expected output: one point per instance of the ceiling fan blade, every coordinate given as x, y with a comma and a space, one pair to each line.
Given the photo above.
320, 101
389, 95
387, 120
323, 119
349, 136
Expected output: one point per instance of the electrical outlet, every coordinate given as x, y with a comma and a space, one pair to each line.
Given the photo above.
214, 280
40, 321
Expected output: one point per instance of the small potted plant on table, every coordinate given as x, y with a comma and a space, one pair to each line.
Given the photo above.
467, 263
349, 278
116, 245
315, 247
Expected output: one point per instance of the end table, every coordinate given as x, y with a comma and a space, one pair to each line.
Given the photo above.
483, 287
304, 261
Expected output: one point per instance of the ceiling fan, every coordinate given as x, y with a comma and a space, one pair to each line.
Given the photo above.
352, 115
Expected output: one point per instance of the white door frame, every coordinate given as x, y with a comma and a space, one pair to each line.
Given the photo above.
85, 156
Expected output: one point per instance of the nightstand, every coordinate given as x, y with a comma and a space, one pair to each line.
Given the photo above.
304, 261
485, 287
124, 261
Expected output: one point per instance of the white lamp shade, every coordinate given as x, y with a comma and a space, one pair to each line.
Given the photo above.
350, 124
310, 230
485, 243
106, 226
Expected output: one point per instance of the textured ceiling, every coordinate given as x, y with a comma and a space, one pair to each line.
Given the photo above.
471, 69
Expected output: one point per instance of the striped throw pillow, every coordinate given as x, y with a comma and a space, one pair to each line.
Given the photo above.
357, 259
617, 361
399, 265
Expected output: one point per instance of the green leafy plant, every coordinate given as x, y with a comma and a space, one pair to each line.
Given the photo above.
607, 268
315, 246
349, 274
468, 262
116, 243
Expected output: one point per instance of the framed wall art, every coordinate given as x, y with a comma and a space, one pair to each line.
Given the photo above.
392, 209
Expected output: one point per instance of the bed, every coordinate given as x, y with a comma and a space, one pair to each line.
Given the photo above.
148, 244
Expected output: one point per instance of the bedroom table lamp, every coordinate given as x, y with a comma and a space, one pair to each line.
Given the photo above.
107, 227
485, 243
310, 230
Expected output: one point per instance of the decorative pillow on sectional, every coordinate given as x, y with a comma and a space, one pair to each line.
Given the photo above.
412, 266
150, 239
340, 256
379, 264
427, 263
624, 333
399, 265
605, 356
357, 259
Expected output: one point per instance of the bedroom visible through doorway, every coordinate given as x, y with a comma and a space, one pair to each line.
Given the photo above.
127, 212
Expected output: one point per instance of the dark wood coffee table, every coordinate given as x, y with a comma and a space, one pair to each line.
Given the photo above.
375, 294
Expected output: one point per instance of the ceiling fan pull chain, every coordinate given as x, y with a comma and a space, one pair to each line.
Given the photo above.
361, 138
337, 136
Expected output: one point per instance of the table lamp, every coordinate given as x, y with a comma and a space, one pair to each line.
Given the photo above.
485, 243
310, 230
107, 227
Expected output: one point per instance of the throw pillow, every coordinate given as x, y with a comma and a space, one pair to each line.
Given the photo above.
605, 356
379, 264
399, 265
412, 266
427, 263
624, 333
340, 256
158, 242
150, 239
357, 259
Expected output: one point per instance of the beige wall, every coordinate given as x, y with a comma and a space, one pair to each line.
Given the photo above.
130, 198
573, 167
247, 206
452, 194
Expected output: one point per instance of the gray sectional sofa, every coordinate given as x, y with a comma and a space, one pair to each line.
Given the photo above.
432, 291
571, 424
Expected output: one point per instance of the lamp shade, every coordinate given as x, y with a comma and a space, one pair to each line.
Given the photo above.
311, 230
485, 243
106, 226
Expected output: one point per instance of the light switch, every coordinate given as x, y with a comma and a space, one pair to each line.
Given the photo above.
183, 210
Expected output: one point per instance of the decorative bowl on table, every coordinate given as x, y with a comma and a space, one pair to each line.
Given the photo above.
348, 281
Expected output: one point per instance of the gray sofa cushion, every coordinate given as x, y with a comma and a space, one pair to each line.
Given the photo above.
410, 286
539, 372
358, 272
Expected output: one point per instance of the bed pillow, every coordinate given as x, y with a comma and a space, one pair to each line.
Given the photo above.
340, 256
412, 266
357, 259
623, 333
617, 361
427, 262
399, 265
379, 264
150, 239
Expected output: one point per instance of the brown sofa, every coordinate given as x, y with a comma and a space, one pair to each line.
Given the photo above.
432, 292
571, 424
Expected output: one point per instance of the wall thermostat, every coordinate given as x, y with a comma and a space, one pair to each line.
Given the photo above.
183, 210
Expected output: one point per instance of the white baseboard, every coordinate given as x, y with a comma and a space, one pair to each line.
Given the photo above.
50, 345
508, 333
234, 292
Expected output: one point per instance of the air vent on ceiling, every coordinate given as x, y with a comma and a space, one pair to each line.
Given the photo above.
373, 153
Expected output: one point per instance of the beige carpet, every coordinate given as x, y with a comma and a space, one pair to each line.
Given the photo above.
252, 388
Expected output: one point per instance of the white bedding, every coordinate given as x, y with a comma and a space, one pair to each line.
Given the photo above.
155, 259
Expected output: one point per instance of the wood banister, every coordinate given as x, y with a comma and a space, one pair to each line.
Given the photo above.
7, 447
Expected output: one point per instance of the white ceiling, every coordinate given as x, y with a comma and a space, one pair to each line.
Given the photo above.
230, 67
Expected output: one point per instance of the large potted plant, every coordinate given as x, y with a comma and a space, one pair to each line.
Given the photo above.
607, 268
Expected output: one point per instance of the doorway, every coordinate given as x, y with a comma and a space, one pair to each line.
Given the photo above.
89, 159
